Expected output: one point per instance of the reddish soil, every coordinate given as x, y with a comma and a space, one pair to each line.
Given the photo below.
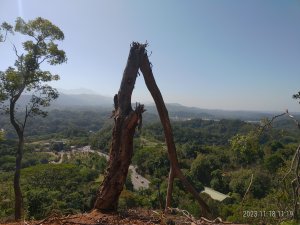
130, 217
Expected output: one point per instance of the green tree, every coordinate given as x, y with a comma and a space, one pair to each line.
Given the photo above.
27, 78
5, 28
203, 166
246, 148
273, 162
239, 181
201, 169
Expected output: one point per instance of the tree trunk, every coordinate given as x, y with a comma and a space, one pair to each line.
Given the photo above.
126, 121
145, 67
19, 155
17, 188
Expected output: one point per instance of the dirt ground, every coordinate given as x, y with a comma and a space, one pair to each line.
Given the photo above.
129, 217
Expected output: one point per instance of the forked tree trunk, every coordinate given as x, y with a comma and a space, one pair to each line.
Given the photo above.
126, 121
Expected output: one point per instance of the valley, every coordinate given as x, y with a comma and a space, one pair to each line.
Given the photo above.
138, 181
63, 165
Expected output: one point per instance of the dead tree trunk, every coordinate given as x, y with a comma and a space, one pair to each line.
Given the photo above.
126, 121
175, 171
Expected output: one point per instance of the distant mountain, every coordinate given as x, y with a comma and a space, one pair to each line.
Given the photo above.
73, 101
176, 111
180, 112
82, 100
77, 91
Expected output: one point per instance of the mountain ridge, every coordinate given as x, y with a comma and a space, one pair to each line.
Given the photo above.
176, 111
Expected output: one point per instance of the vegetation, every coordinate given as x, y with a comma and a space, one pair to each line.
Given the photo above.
1, 135
218, 164
5, 28
68, 187
252, 166
210, 161
27, 77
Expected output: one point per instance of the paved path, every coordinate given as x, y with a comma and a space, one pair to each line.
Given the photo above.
137, 180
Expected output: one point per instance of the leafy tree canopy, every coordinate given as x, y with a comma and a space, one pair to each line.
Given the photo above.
26, 75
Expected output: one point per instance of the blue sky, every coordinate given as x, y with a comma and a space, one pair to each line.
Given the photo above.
212, 54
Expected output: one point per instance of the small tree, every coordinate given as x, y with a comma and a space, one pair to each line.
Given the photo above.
26, 77
246, 148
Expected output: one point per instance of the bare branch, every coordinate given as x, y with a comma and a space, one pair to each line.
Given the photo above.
47, 57
292, 163
248, 189
293, 118
270, 122
16, 51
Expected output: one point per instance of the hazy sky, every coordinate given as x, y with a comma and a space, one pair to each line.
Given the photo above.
211, 54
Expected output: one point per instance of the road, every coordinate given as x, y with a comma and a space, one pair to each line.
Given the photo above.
138, 181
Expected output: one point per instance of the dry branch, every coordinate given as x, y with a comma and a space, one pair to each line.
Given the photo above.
248, 189
146, 69
295, 164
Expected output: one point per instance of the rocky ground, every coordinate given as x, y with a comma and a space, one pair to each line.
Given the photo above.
129, 217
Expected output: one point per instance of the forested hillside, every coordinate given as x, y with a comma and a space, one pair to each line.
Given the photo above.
223, 155
74, 158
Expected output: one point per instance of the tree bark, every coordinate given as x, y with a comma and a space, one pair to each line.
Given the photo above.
126, 121
19, 155
17, 188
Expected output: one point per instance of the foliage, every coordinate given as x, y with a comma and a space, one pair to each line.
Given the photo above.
89, 161
290, 222
205, 163
274, 162
246, 148
68, 188
5, 28
7, 155
2, 135
70, 124
128, 182
156, 165
297, 96
101, 140
26, 75
260, 186
54, 185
